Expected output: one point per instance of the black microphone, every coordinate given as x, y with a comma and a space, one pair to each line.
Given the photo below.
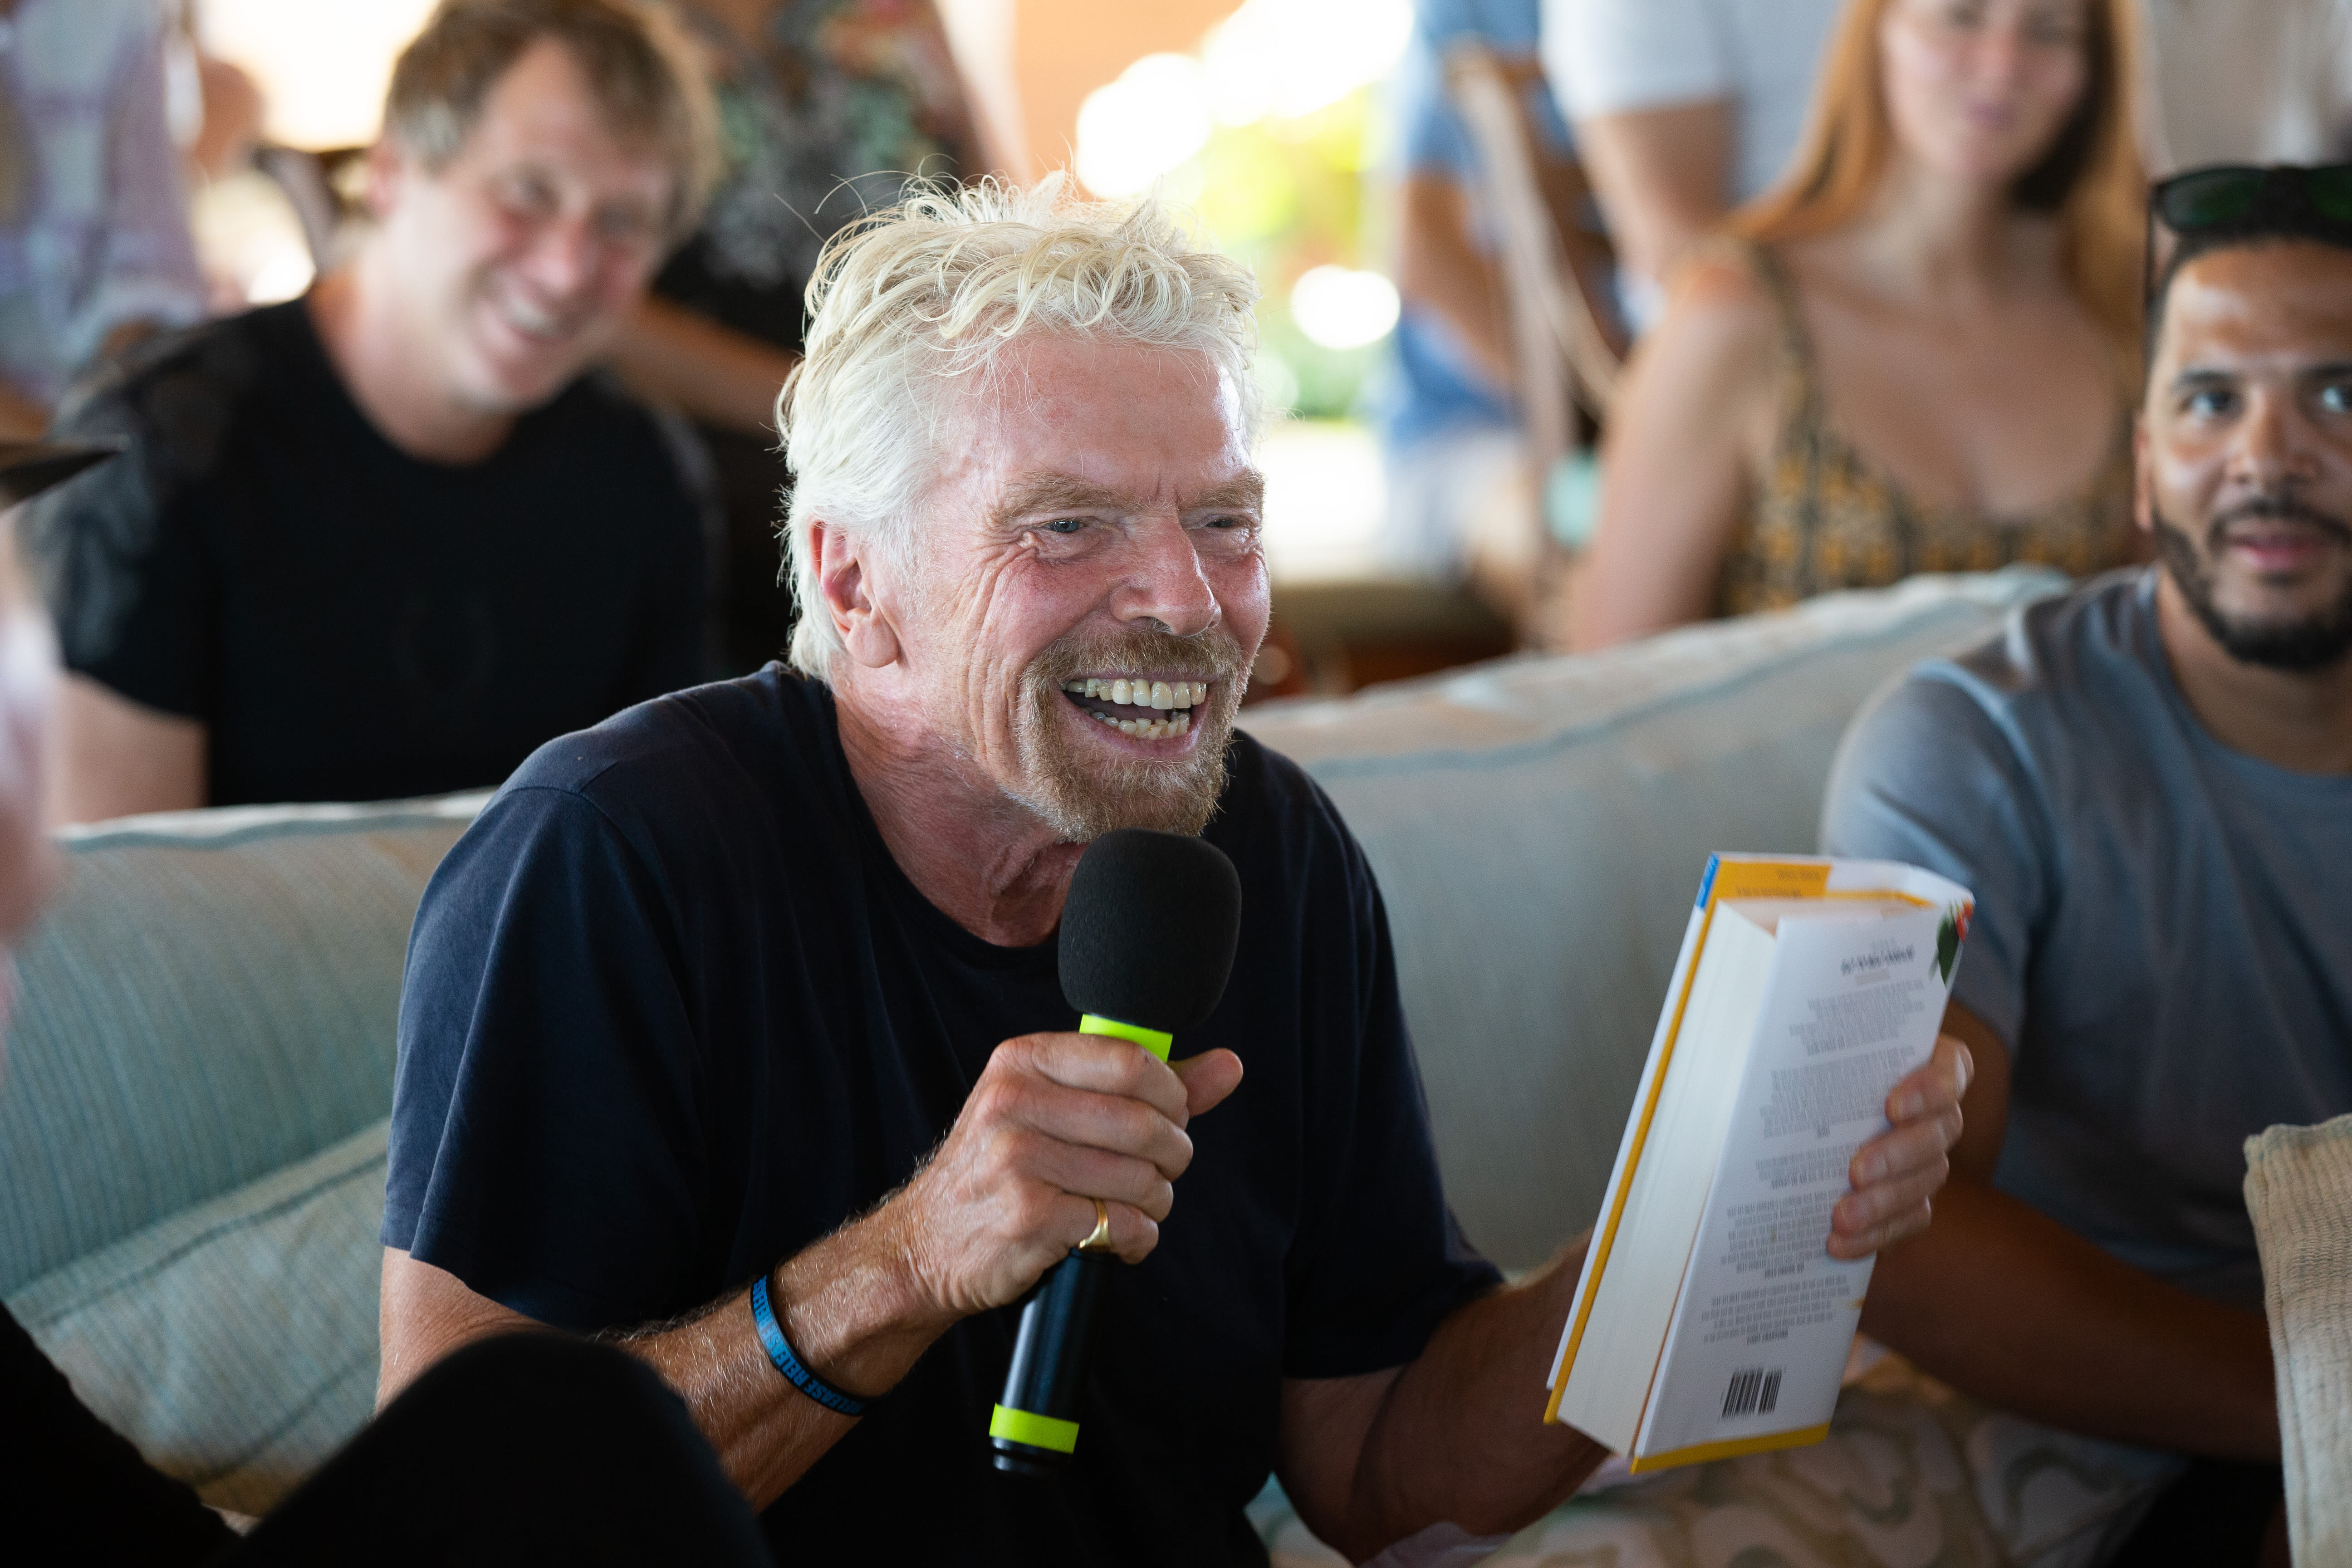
1148, 939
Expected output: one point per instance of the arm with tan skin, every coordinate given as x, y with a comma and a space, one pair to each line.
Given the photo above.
1456, 1436
1053, 1115
30, 865
1664, 178
114, 757
1442, 269
2004, 1304
1692, 425
21, 418
671, 356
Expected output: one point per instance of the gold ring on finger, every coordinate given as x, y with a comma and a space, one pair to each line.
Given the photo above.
1099, 1238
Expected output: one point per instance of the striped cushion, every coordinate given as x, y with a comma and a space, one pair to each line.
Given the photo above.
211, 997
234, 1342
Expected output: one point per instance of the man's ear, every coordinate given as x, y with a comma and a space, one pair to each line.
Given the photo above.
847, 590
387, 176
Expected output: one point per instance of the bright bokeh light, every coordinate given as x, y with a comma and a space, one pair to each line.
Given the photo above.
321, 65
1326, 494
1148, 122
1339, 308
285, 276
249, 241
1291, 57
1283, 59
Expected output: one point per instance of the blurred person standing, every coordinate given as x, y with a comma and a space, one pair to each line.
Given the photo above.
1916, 355
1446, 407
1685, 108
385, 539
826, 109
94, 245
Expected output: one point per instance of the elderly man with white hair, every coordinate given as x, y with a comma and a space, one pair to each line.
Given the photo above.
753, 985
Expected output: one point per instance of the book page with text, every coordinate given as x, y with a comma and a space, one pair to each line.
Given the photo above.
1764, 1317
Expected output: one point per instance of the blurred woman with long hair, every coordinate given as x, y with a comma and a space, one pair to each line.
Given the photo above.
1917, 352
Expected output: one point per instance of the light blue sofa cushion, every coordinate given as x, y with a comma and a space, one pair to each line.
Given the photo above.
1539, 826
191, 1154
235, 1342
211, 997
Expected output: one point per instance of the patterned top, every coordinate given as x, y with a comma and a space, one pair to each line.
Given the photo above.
1826, 517
93, 224
841, 102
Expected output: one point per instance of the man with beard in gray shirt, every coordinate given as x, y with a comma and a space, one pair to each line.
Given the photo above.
2148, 785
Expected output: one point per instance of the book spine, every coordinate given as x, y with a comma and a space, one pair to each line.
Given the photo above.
1727, 876
1629, 1147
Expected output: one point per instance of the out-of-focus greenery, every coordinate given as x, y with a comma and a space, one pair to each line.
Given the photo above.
1284, 195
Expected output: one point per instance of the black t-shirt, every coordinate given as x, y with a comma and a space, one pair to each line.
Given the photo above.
73, 1479
347, 622
672, 1013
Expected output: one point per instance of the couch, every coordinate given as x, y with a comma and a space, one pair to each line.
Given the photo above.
192, 1131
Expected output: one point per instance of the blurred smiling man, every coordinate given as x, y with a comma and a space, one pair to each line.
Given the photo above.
750, 994
386, 539
2148, 785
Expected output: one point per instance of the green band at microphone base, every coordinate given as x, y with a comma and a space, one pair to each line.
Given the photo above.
1151, 1040
1037, 1431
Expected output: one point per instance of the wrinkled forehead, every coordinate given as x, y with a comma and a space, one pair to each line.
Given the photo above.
544, 109
2274, 308
1149, 422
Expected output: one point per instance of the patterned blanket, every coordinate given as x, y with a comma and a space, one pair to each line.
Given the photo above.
1913, 1475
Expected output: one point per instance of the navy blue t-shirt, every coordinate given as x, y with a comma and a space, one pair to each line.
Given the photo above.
672, 1013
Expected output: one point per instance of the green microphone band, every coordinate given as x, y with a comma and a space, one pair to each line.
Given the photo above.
1151, 1040
1037, 1431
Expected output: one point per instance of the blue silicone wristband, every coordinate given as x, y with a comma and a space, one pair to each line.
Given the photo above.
772, 1339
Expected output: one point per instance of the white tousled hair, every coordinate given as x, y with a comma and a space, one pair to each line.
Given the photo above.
930, 291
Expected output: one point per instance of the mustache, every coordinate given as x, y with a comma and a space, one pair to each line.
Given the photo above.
1215, 652
2278, 509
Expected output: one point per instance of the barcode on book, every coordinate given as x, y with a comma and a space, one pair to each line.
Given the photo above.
1754, 1392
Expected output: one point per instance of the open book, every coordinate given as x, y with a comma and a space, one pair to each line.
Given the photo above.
1710, 1319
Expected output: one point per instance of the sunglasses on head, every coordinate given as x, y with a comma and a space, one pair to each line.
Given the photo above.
2230, 194
2210, 198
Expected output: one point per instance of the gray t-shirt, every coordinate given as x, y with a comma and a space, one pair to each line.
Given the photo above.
2163, 931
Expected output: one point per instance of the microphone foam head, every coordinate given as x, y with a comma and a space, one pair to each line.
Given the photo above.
1149, 928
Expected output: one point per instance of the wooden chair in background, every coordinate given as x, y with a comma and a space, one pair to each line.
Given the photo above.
1554, 272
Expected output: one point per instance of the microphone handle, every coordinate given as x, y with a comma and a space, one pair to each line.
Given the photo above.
1034, 1428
